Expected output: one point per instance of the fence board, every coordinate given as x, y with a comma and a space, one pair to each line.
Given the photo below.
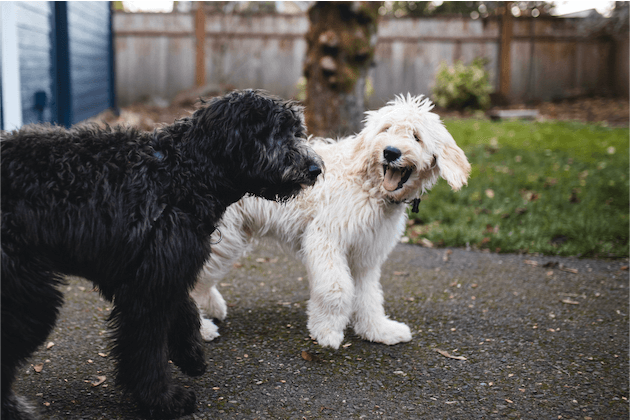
549, 58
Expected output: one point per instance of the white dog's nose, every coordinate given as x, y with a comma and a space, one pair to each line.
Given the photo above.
391, 153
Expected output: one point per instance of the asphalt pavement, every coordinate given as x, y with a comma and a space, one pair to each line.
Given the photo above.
494, 336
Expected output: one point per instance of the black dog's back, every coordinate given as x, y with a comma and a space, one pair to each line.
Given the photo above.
62, 188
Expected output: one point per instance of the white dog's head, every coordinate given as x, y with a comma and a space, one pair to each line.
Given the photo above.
407, 147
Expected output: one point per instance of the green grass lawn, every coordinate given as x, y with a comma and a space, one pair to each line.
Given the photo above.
558, 188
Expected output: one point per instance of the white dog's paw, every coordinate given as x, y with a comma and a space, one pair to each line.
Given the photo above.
385, 331
208, 330
326, 337
217, 308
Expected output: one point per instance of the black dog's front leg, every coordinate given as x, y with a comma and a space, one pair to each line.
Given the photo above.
141, 323
184, 339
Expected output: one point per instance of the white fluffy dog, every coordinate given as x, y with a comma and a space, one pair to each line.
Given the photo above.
344, 227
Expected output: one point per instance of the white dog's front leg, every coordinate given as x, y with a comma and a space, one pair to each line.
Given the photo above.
332, 289
370, 321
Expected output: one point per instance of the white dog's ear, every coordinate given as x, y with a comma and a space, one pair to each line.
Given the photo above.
451, 160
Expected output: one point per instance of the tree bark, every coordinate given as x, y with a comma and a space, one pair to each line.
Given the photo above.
340, 50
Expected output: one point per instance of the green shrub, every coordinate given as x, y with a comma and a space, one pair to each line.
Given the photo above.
462, 86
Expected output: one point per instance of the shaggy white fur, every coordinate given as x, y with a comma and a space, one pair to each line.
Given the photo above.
344, 227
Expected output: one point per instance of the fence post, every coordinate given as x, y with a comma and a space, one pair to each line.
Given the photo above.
506, 42
200, 34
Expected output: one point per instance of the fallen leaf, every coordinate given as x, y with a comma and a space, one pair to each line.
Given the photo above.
624, 268
569, 270
447, 255
309, 357
103, 354
38, 367
345, 346
426, 243
570, 302
401, 273
531, 262
47, 404
99, 380
49, 345
447, 354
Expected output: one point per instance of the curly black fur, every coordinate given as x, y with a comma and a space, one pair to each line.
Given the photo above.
132, 212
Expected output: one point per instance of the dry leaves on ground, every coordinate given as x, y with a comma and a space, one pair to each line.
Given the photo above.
448, 355
309, 357
99, 380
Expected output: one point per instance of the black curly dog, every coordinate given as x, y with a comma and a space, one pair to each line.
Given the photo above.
133, 212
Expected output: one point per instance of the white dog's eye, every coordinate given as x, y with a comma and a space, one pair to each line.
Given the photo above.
417, 137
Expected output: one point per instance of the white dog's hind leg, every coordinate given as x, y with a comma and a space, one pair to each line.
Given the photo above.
208, 299
208, 330
217, 308
330, 305
227, 248
211, 303
370, 321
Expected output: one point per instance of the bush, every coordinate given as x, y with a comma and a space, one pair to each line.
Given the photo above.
462, 87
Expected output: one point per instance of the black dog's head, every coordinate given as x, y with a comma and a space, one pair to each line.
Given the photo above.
259, 140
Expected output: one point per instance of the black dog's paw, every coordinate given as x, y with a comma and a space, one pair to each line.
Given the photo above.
190, 359
191, 366
194, 370
179, 403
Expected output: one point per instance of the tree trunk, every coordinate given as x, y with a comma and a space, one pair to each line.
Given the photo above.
340, 49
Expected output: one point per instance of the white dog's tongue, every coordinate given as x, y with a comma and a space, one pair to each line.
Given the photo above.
392, 179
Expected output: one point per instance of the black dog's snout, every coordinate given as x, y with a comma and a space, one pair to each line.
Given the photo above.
391, 153
314, 170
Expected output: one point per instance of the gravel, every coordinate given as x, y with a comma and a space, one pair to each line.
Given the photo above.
539, 342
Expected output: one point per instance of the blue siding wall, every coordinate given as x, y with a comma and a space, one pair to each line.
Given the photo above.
89, 45
65, 60
34, 23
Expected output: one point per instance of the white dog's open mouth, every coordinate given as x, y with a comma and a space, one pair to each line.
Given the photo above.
394, 178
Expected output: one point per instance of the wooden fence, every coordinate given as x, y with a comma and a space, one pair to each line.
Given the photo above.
158, 55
